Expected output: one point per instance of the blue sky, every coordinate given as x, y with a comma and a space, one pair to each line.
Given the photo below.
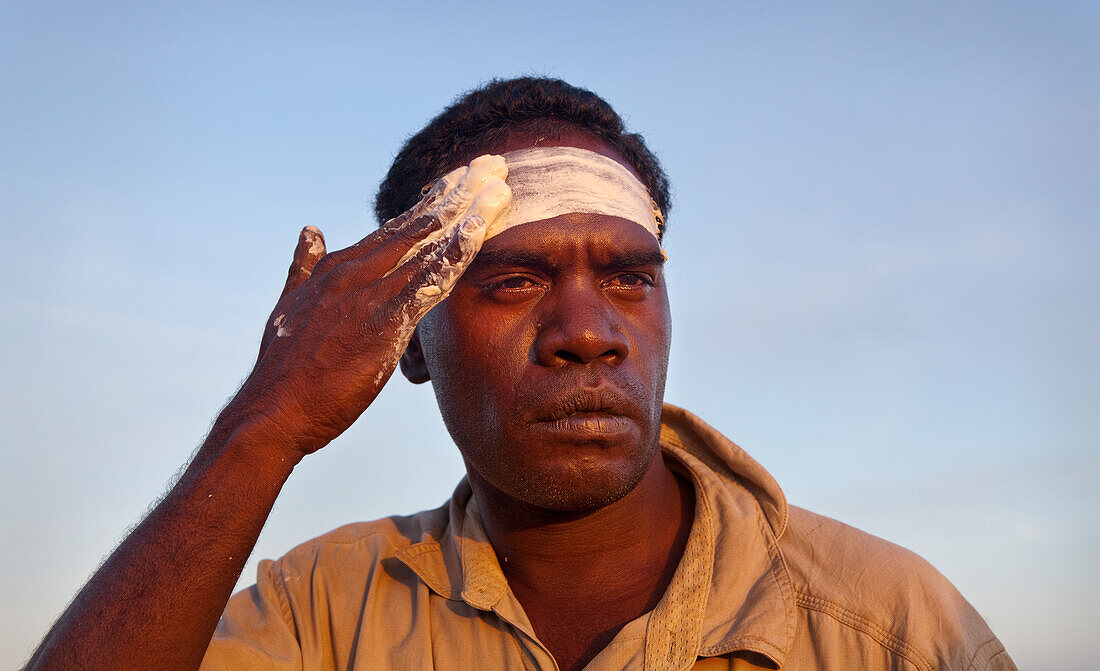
883, 260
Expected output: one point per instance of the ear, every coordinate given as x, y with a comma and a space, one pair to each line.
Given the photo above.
412, 361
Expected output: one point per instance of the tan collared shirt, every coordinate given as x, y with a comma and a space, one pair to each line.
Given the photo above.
761, 585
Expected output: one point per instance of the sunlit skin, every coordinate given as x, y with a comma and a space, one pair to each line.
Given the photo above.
548, 361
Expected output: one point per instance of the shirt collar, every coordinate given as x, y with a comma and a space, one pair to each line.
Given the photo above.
731, 591
455, 559
750, 605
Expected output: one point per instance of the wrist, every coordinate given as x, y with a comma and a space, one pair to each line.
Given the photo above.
253, 440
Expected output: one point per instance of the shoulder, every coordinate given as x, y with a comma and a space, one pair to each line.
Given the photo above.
837, 560
884, 591
352, 552
311, 603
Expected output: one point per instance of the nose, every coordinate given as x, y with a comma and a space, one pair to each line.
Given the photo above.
578, 326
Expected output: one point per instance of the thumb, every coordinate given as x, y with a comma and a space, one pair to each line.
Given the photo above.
310, 249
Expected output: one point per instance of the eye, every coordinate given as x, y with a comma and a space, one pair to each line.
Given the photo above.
514, 283
511, 288
631, 286
630, 281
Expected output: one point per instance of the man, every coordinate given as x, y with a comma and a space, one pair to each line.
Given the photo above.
520, 271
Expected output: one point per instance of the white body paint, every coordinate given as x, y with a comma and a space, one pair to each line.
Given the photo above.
478, 189
547, 182
281, 329
474, 199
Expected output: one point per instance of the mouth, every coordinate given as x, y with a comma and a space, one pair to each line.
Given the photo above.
584, 402
588, 415
589, 424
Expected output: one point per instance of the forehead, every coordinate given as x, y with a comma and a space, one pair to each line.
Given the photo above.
597, 234
594, 239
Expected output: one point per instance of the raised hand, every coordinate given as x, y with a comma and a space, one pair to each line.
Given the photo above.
344, 318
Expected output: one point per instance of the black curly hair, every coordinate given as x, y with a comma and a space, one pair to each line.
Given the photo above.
497, 111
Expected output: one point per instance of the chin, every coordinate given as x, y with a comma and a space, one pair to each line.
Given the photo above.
574, 488
566, 500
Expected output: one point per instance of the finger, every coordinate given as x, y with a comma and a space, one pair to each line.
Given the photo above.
421, 283
438, 191
484, 174
490, 201
488, 194
483, 171
369, 268
432, 196
391, 246
310, 249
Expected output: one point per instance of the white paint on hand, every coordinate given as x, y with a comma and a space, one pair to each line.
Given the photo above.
428, 292
281, 330
437, 284
479, 189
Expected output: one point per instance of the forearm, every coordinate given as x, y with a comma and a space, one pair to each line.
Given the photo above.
332, 341
155, 602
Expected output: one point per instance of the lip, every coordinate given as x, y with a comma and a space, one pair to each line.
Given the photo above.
587, 404
588, 425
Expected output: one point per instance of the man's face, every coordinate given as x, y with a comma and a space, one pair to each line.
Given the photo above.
548, 359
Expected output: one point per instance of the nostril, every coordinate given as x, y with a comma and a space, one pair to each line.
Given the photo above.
583, 357
566, 355
578, 331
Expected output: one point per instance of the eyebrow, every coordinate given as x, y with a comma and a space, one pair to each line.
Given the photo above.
618, 258
631, 258
511, 257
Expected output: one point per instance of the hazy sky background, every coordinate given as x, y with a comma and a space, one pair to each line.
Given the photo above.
883, 266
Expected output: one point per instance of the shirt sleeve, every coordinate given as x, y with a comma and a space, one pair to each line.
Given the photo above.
991, 657
256, 631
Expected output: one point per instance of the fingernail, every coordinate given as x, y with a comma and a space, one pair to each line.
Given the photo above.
316, 240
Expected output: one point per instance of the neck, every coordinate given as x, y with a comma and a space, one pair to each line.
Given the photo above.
554, 559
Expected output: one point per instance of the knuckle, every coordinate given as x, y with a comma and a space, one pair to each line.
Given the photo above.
325, 264
454, 253
299, 275
381, 325
430, 252
411, 293
423, 223
373, 326
393, 222
428, 286
324, 291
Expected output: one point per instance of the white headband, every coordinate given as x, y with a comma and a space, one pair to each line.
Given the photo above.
547, 182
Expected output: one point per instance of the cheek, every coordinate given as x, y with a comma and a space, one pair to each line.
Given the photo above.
443, 349
472, 379
653, 336
463, 359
